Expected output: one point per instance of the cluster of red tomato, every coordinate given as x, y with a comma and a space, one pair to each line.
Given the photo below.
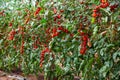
58, 16
11, 35
104, 4
21, 31
53, 32
56, 31
46, 50
35, 45
84, 39
112, 7
95, 13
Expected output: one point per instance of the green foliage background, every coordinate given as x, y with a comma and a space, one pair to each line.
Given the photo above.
100, 62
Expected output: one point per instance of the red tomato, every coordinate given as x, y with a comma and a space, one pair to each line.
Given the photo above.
58, 16
55, 10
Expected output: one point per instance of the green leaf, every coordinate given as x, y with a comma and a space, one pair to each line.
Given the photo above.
119, 28
95, 30
43, 21
103, 71
116, 54
93, 20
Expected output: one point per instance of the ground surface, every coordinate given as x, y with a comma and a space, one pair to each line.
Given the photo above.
16, 76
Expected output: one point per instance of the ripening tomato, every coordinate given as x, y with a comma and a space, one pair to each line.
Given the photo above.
54, 30
94, 15
83, 50
85, 38
54, 10
58, 22
71, 35
61, 11
95, 10
10, 24
37, 11
60, 28
42, 55
58, 16
11, 35
66, 31
97, 7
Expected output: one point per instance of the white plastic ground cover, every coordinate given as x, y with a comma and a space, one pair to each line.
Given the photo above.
16, 77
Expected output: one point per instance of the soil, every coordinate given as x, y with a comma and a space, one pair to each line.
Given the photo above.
18, 76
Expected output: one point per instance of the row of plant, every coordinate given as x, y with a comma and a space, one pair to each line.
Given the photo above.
61, 38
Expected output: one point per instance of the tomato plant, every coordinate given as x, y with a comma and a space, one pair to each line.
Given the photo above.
67, 38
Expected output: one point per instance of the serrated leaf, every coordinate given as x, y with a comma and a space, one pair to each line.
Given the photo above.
116, 54
119, 28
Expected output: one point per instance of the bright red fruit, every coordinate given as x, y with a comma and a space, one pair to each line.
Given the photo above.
58, 16
60, 28
83, 50
55, 10
94, 15
37, 11
46, 50
61, 11
11, 35
84, 39
10, 24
